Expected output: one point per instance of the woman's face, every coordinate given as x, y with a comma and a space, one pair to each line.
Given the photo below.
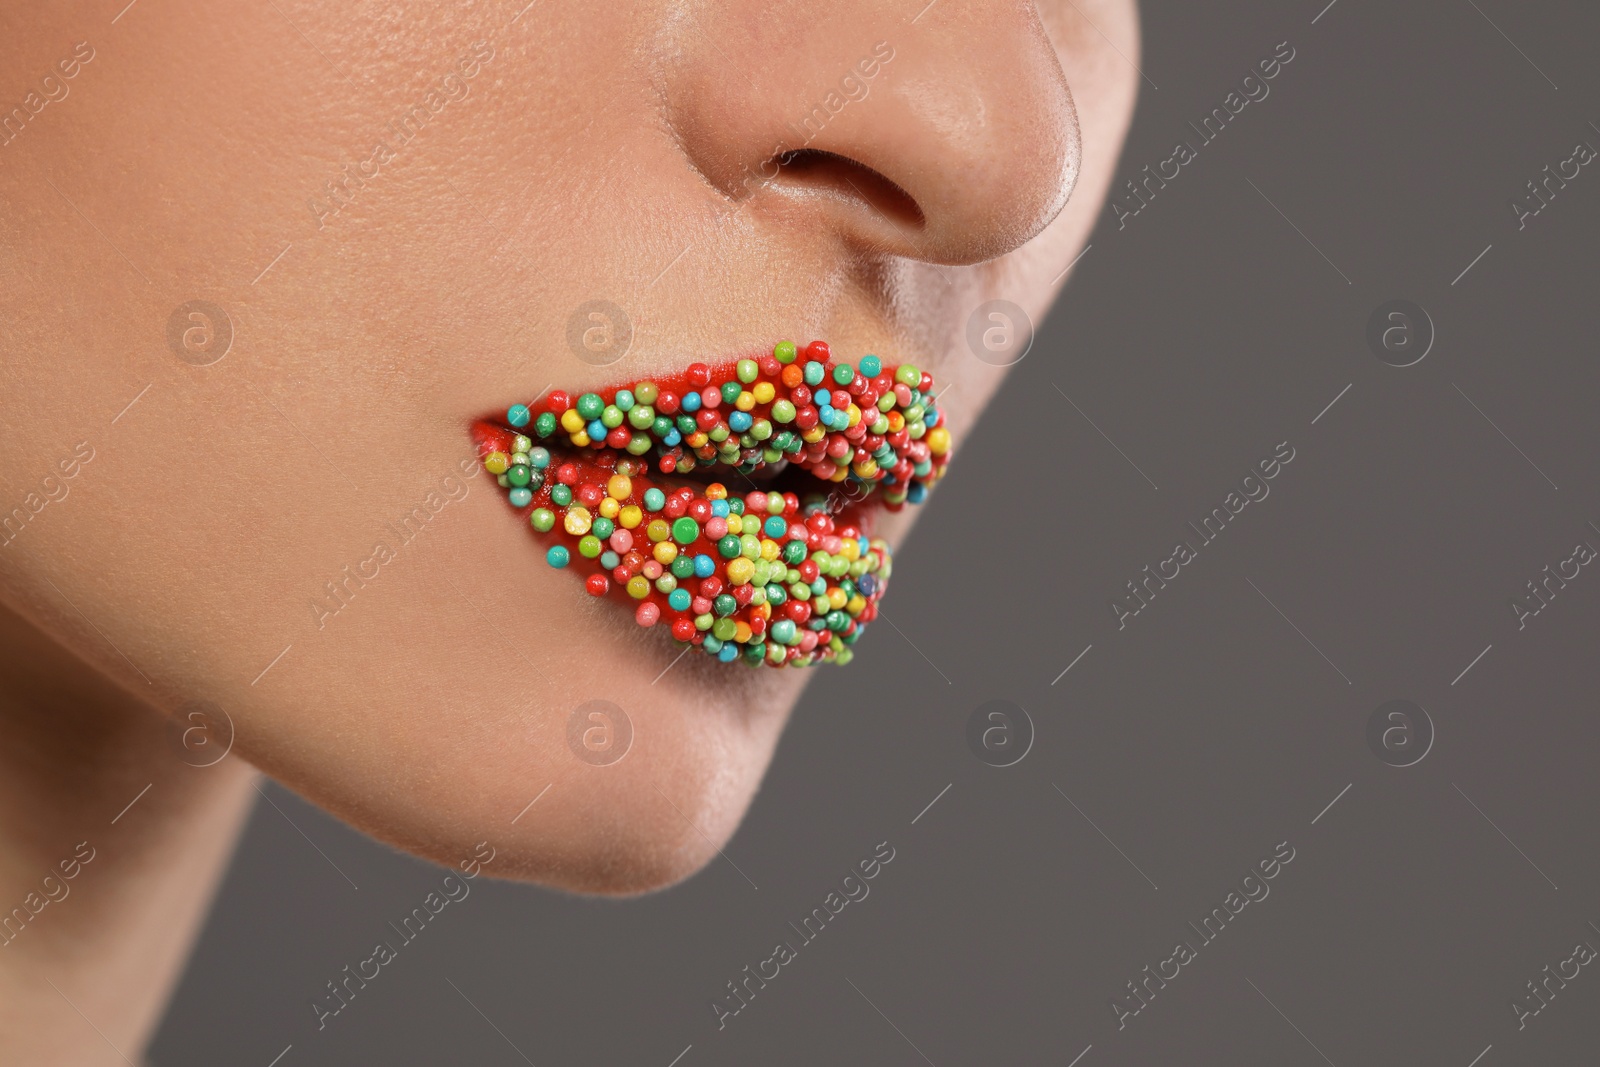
267, 267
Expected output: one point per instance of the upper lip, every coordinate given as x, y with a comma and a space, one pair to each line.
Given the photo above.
807, 438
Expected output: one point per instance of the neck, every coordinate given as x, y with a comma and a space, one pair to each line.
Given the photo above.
111, 846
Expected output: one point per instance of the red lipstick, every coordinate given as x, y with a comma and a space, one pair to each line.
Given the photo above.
731, 503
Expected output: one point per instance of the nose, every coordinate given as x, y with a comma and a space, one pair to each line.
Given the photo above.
946, 134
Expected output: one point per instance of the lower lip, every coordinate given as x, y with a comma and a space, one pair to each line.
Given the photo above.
781, 578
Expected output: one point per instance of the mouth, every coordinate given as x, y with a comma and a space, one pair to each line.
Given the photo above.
732, 504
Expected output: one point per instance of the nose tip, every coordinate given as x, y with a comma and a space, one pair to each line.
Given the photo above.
951, 139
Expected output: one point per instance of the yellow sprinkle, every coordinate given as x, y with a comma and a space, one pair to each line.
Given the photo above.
740, 570
578, 521
938, 440
815, 434
855, 414
742, 633
658, 530
620, 486
745, 400
581, 440
851, 549
496, 462
836, 597
736, 524
571, 421
769, 549
638, 587
630, 517
763, 392
665, 552
855, 604
866, 468
609, 508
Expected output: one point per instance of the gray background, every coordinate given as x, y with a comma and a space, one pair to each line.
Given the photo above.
1213, 727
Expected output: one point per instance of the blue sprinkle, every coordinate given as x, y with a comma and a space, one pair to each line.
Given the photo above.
719, 508
712, 645
690, 402
673, 438
870, 366
557, 556
704, 566
729, 653
610, 560
679, 600
740, 421
539, 458
521, 497
597, 430
518, 415
823, 398
917, 493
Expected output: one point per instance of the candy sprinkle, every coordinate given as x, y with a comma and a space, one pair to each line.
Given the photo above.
765, 576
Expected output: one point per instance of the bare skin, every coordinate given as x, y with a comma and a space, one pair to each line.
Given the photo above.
189, 159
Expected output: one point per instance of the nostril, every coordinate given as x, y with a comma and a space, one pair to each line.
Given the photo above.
840, 175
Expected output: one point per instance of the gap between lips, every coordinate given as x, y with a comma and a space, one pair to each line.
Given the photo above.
640, 486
